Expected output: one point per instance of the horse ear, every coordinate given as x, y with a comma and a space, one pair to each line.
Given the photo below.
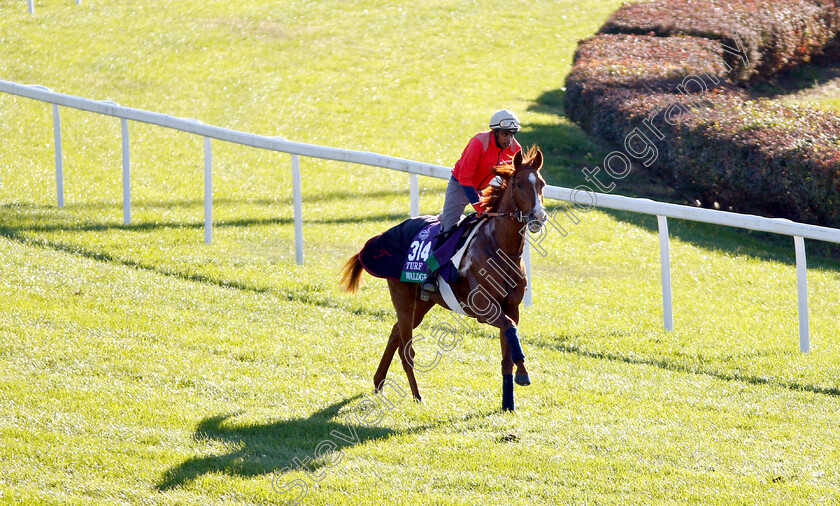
537, 162
517, 160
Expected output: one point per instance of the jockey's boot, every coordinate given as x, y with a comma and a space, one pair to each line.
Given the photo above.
429, 287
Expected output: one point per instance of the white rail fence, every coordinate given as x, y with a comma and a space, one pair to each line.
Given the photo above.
663, 211
31, 5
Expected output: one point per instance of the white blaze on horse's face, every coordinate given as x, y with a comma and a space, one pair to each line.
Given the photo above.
539, 208
538, 215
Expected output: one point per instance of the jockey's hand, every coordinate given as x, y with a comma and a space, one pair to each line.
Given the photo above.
479, 208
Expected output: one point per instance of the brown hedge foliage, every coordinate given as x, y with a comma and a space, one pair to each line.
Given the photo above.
776, 34
675, 96
603, 64
749, 156
632, 60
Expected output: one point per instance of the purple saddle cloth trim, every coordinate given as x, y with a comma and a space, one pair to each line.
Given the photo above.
440, 259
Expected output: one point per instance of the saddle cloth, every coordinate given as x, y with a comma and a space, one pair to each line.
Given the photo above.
446, 290
404, 251
384, 255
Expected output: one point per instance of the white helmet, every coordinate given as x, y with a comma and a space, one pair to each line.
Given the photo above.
504, 120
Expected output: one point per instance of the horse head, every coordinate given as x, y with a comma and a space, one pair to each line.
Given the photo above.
526, 186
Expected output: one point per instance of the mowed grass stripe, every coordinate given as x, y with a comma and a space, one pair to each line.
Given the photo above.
750, 305
106, 382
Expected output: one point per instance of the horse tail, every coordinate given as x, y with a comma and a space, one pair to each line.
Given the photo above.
351, 274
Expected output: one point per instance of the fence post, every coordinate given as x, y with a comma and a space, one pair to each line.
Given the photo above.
126, 162
414, 191
208, 192
126, 174
31, 6
59, 164
802, 289
298, 205
665, 262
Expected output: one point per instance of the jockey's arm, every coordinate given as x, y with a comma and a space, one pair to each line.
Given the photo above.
472, 194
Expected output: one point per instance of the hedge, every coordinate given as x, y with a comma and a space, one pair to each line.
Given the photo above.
747, 156
775, 34
605, 64
674, 96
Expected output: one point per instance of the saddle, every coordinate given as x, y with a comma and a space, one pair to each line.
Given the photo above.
411, 250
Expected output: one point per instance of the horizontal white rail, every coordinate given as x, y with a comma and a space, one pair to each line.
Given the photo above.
225, 134
746, 221
644, 206
662, 210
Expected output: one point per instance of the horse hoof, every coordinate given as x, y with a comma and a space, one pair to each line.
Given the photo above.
522, 379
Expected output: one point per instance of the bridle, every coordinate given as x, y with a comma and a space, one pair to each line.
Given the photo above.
532, 222
519, 216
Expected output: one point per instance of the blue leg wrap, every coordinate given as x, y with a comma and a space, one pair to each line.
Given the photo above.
516, 352
507, 393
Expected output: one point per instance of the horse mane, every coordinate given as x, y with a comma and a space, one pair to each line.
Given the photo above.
491, 196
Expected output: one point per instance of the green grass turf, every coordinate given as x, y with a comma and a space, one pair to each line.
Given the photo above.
140, 365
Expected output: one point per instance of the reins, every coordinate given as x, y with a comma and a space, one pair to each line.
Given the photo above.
518, 216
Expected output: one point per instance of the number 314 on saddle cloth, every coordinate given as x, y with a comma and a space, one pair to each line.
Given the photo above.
415, 268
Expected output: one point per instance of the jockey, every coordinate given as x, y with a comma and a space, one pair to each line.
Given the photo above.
474, 171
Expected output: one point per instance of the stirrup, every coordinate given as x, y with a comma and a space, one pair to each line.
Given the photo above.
427, 288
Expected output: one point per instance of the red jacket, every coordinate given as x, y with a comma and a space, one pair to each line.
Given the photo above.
475, 168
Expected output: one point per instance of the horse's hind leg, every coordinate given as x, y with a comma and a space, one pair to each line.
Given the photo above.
410, 312
387, 356
394, 343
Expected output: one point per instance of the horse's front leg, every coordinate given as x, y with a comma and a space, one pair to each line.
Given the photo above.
511, 354
512, 337
508, 403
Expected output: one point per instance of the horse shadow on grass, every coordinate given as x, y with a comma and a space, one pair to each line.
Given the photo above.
267, 448
311, 444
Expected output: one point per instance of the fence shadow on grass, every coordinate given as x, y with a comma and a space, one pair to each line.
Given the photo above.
27, 234
46, 218
565, 345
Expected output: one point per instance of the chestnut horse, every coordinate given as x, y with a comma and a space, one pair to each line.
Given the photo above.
491, 277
